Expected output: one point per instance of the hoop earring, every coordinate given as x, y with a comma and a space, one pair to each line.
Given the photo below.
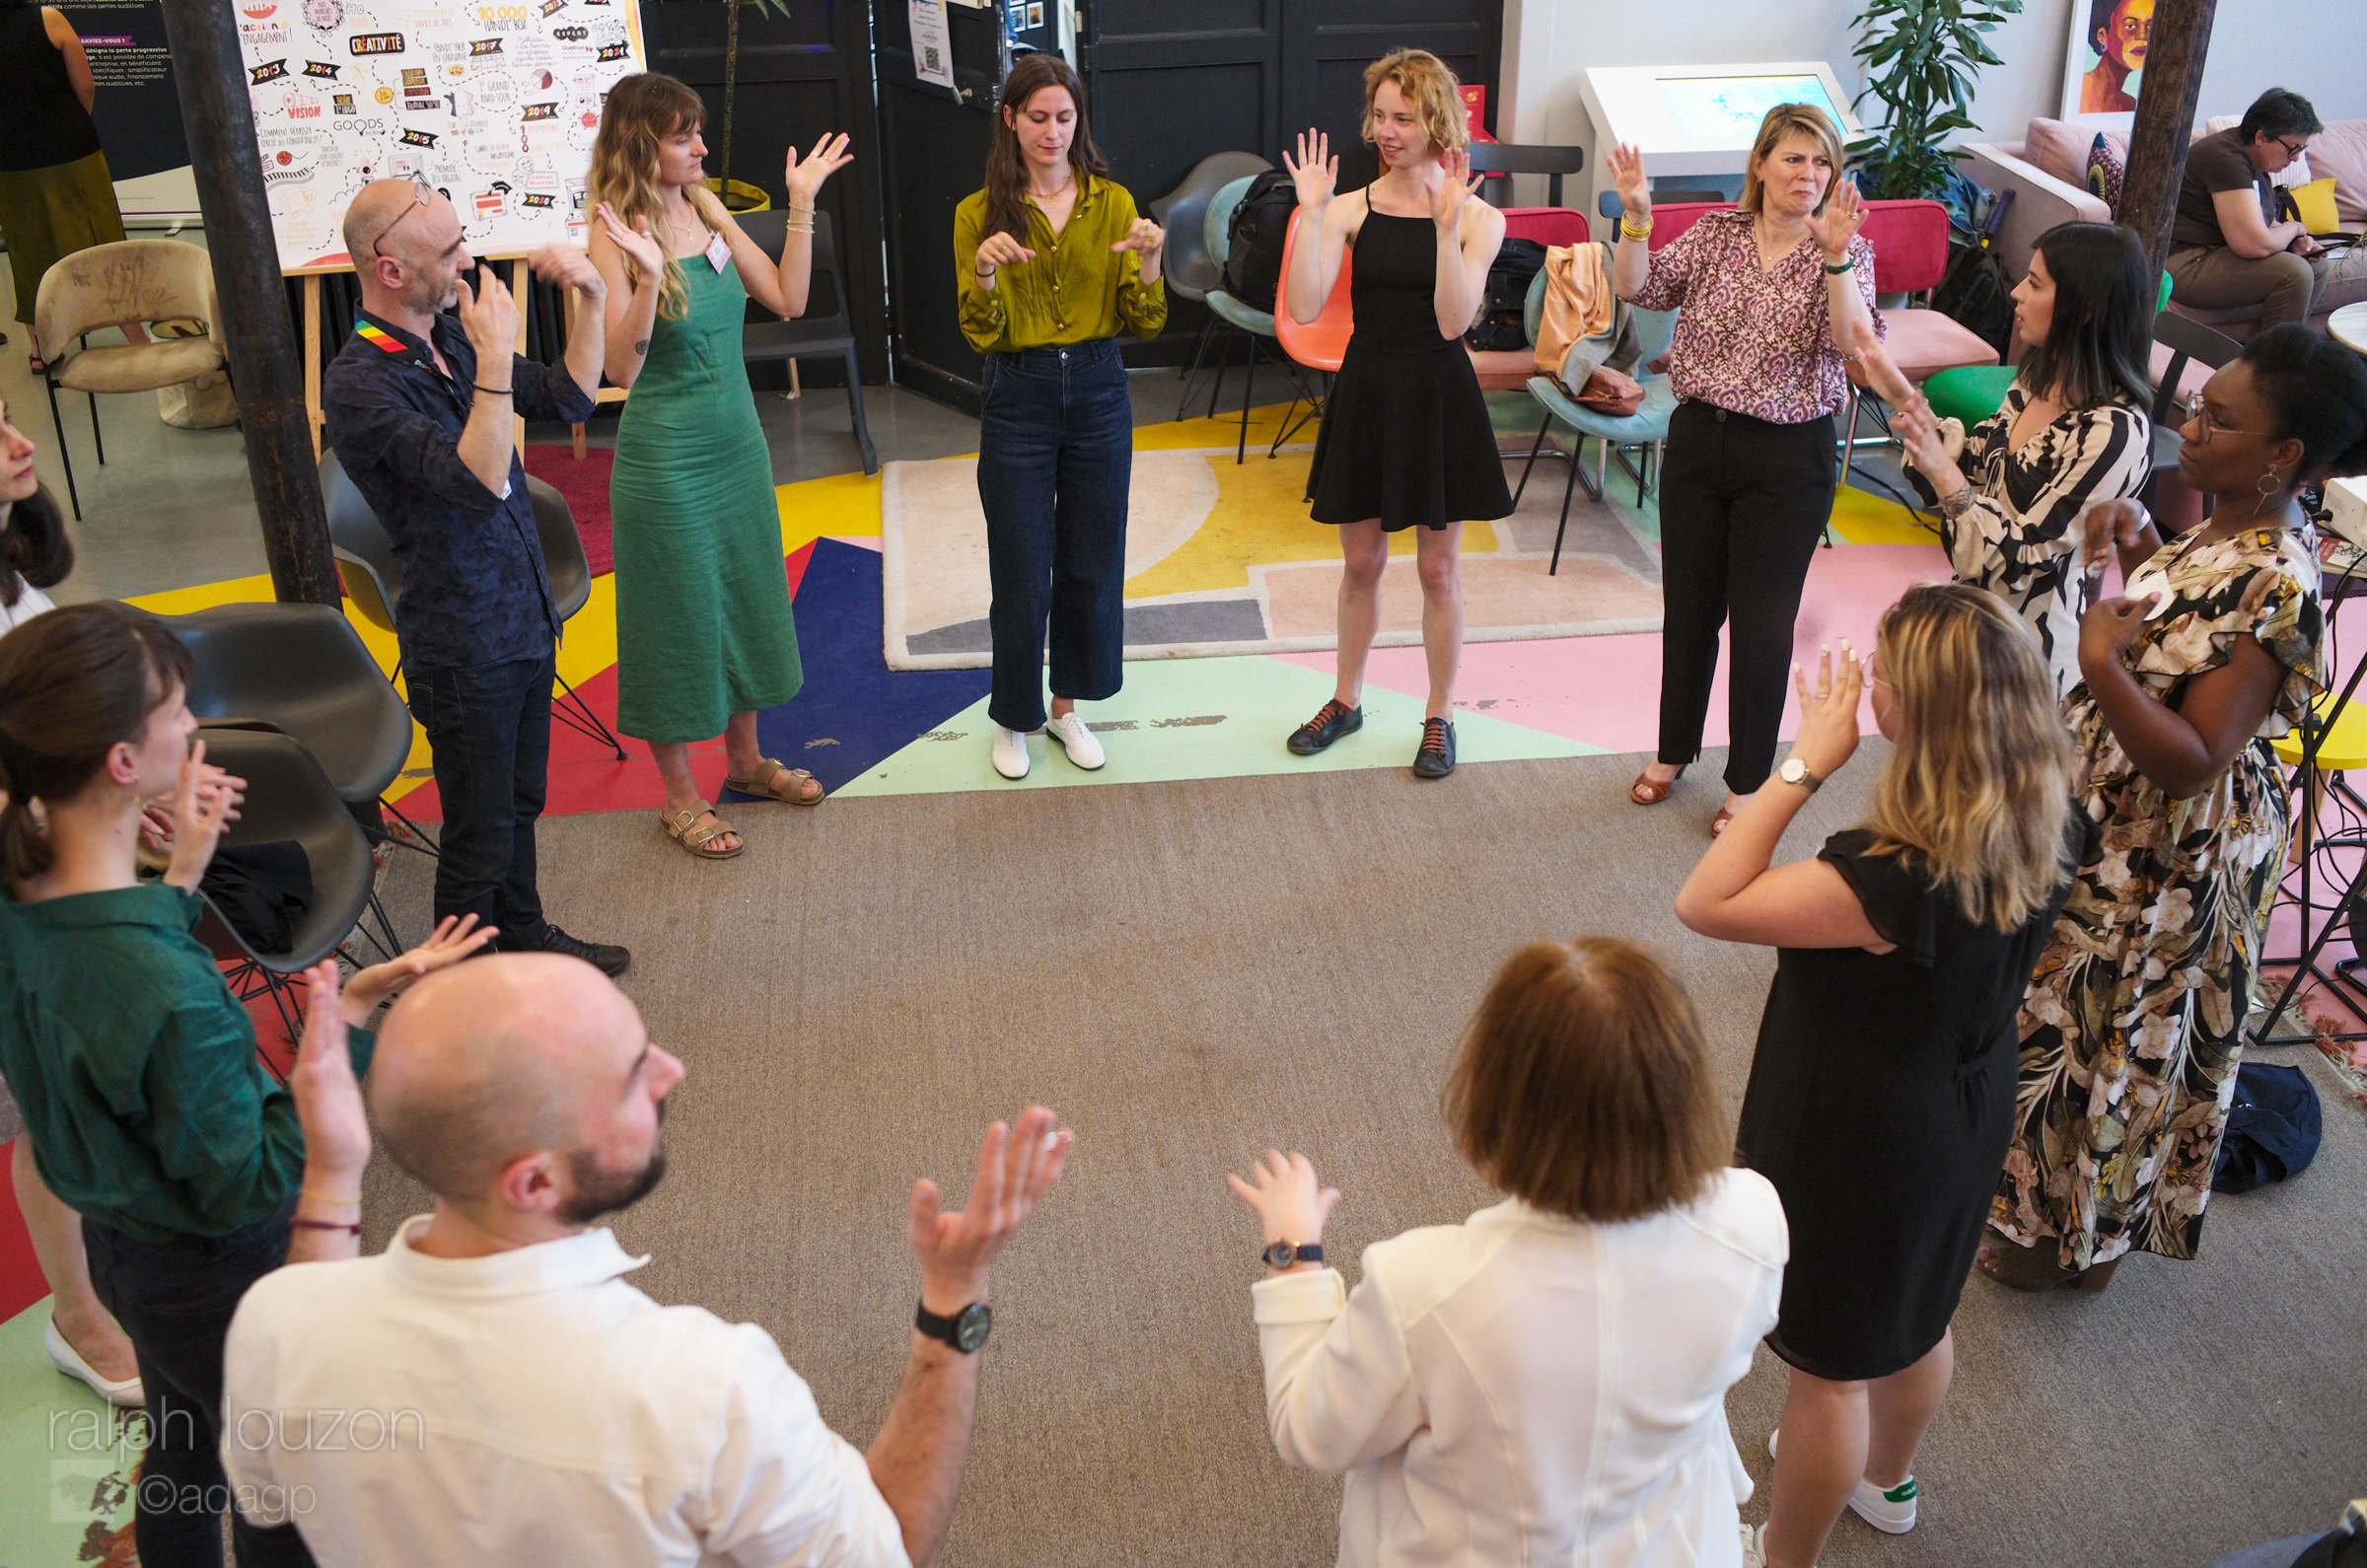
2268, 485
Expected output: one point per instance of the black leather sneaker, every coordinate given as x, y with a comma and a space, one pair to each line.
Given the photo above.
1436, 758
606, 957
1332, 721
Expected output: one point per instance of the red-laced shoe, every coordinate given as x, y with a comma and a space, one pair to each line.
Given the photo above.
1436, 758
1332, 721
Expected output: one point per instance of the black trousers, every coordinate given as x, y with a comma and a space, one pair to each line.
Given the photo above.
488, 728
174, 1300
1742, 505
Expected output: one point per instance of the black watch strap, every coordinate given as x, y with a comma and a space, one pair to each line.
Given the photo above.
1282, 1254
965, 1331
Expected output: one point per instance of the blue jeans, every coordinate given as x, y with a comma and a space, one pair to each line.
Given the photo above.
1055, 458
174, 1300
489, 727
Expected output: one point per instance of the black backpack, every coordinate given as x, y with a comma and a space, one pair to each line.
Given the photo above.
1976, 293
1254, 240
1502, 321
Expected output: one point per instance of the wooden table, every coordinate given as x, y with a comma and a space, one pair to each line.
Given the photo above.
2348, 326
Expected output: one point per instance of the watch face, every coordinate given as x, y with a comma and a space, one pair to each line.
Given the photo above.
973, 1325
1794, 770
1280, 1255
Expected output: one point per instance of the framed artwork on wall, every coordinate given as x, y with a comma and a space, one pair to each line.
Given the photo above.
2104, 65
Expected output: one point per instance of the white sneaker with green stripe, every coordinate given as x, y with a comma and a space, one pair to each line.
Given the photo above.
1891, 1510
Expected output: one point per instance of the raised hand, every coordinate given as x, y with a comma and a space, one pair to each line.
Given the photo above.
830, 154
1625, 161
204, 802
1917, 428
328, 1102
2109, 526
570, 269
1828, 734
640, 248
456, 937
1843, 215
1282, 1190
999, 250
490, 318
1459, 186
1017, 1167
1315, 172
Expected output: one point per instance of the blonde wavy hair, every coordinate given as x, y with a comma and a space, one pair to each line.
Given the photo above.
1977, 789
1431, 90
1792, 120
643, 109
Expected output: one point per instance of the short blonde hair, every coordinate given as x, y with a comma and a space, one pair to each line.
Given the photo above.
1431, 90
1785, 120
1977, 787
1584, 1087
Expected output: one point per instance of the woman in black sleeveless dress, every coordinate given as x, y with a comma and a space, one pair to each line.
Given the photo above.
1406, 438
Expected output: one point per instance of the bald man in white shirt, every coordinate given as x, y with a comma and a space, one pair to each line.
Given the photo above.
501, 1397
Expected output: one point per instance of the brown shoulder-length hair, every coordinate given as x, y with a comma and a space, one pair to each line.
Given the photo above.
1007, 165
1977, 788
643, 109
1584, 1087
1430, 90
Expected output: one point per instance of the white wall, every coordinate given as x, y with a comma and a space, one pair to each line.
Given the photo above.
2316, 47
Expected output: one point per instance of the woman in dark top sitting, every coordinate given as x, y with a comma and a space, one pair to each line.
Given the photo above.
56, 196
148, 1111
1882, 1094
1406, 441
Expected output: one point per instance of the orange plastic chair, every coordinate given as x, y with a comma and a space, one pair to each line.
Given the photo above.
1320, 345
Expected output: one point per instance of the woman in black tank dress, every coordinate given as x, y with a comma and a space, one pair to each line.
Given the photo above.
1406, 438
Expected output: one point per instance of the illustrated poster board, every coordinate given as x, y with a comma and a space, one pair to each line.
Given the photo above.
493, 103
2103, 61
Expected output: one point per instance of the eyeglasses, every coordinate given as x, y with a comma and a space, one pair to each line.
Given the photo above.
2291, 151
2199, 413
418, 199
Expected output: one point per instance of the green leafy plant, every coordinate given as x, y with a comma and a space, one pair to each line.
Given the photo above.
1921, 58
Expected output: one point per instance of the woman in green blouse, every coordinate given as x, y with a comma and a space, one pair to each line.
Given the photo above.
148, 1111
1054, 259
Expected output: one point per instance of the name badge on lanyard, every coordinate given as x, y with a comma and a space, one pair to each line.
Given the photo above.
718, 252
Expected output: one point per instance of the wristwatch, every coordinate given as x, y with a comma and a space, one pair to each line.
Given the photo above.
965, 1331
1284, 1253
1795, 771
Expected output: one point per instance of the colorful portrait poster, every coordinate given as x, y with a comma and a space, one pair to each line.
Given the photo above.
2105, 67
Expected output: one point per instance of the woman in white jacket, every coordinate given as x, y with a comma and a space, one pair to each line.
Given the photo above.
1546, 1381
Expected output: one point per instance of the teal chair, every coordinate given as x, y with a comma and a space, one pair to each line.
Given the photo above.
1644, 430
1249, 320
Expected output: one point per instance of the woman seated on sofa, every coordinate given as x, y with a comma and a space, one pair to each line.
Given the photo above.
2228, 247
2072, 432
1625, 1277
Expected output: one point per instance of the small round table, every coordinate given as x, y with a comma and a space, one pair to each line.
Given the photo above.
2348, 326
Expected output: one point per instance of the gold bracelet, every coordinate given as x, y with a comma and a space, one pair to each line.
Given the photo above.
306, 1193
1632, 232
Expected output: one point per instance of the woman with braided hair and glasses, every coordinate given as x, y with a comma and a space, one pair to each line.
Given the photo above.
2133, 1025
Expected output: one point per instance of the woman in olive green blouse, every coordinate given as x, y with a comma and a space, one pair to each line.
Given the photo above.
1054, 259
148, 1111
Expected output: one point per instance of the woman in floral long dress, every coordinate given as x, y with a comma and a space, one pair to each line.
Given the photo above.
2133, 1023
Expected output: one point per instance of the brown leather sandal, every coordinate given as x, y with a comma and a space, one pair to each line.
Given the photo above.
700, 841
1649, 791
771, 768
1717, 823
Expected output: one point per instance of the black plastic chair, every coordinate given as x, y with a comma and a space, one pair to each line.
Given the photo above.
303, 671
825, 328
2187, 340
289, 797
570, 573
1513, 158
1189, 268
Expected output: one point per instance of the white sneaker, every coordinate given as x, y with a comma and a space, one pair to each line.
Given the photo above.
1083, 749
1010, 752
126, 1395
1755, 1549
1891, 1512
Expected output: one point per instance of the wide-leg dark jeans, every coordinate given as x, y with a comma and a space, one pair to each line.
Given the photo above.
1742, 505
174, 1300
1055, 462
489, 728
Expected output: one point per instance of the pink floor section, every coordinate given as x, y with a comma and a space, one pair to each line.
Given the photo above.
1605, 690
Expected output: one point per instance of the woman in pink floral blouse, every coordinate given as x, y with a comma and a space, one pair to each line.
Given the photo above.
1775, 296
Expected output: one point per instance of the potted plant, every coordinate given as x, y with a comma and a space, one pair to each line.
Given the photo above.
738, 195
1920, 59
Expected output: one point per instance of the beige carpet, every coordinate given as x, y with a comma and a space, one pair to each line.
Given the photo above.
1222, 558
1192, 972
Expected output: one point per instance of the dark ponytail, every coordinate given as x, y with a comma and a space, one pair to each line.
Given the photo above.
74, 684
2317, 394
33, 547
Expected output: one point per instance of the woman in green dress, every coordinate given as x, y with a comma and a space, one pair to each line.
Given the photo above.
706, 638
